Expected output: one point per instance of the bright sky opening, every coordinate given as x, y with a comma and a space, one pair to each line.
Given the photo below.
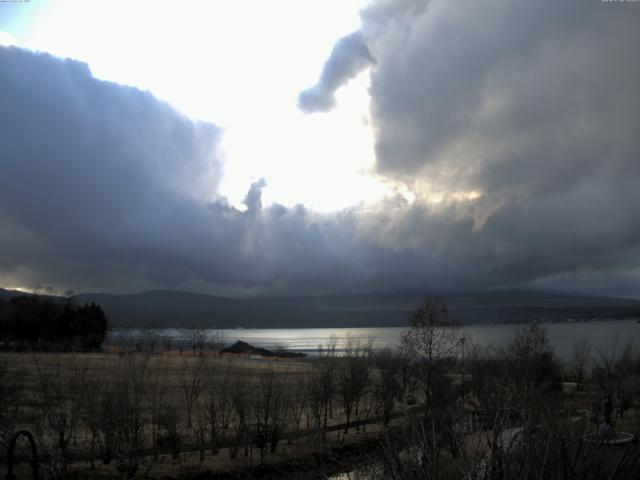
241, 65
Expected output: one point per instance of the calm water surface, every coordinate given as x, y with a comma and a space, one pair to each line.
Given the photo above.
602, 335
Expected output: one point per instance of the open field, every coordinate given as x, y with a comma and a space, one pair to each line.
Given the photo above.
156, 415
172, 412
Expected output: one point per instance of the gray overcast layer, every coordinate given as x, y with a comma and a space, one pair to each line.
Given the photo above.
533, 106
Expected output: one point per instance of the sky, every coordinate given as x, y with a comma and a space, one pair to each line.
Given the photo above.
295, 147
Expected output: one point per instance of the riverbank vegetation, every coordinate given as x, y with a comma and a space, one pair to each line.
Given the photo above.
439, 406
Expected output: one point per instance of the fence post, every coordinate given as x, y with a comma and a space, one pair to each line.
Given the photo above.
34, 454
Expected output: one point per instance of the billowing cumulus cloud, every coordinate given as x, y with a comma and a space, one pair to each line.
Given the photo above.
104, 187
502, 94
528, 108
511, 126
97, 179
349, 57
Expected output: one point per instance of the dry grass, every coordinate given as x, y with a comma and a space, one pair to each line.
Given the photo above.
162, 377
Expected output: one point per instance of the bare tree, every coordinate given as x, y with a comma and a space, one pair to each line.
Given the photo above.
167, 343
241, 401
121, 415
156, 401
315, 395
386, 381
168, 429
152, 340
430, 342
92, 392
216, 341
353, 377
269, 412
297, 401
532, 364
196, 338
192, 385
216, 404
327, 356
580, 357
617, 371
58, 406
11, 390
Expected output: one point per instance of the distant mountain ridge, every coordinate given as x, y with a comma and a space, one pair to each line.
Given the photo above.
167, 308
171, 308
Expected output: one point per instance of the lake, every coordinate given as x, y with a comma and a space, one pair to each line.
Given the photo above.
602, 335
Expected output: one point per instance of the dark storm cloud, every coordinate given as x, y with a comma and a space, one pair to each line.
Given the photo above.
93, 173
513, 124
348, 58
104, 187
532, 105
466, 91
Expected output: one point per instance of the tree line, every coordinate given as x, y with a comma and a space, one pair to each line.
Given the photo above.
38, 321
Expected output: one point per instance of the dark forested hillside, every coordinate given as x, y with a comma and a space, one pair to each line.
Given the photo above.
179, 309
